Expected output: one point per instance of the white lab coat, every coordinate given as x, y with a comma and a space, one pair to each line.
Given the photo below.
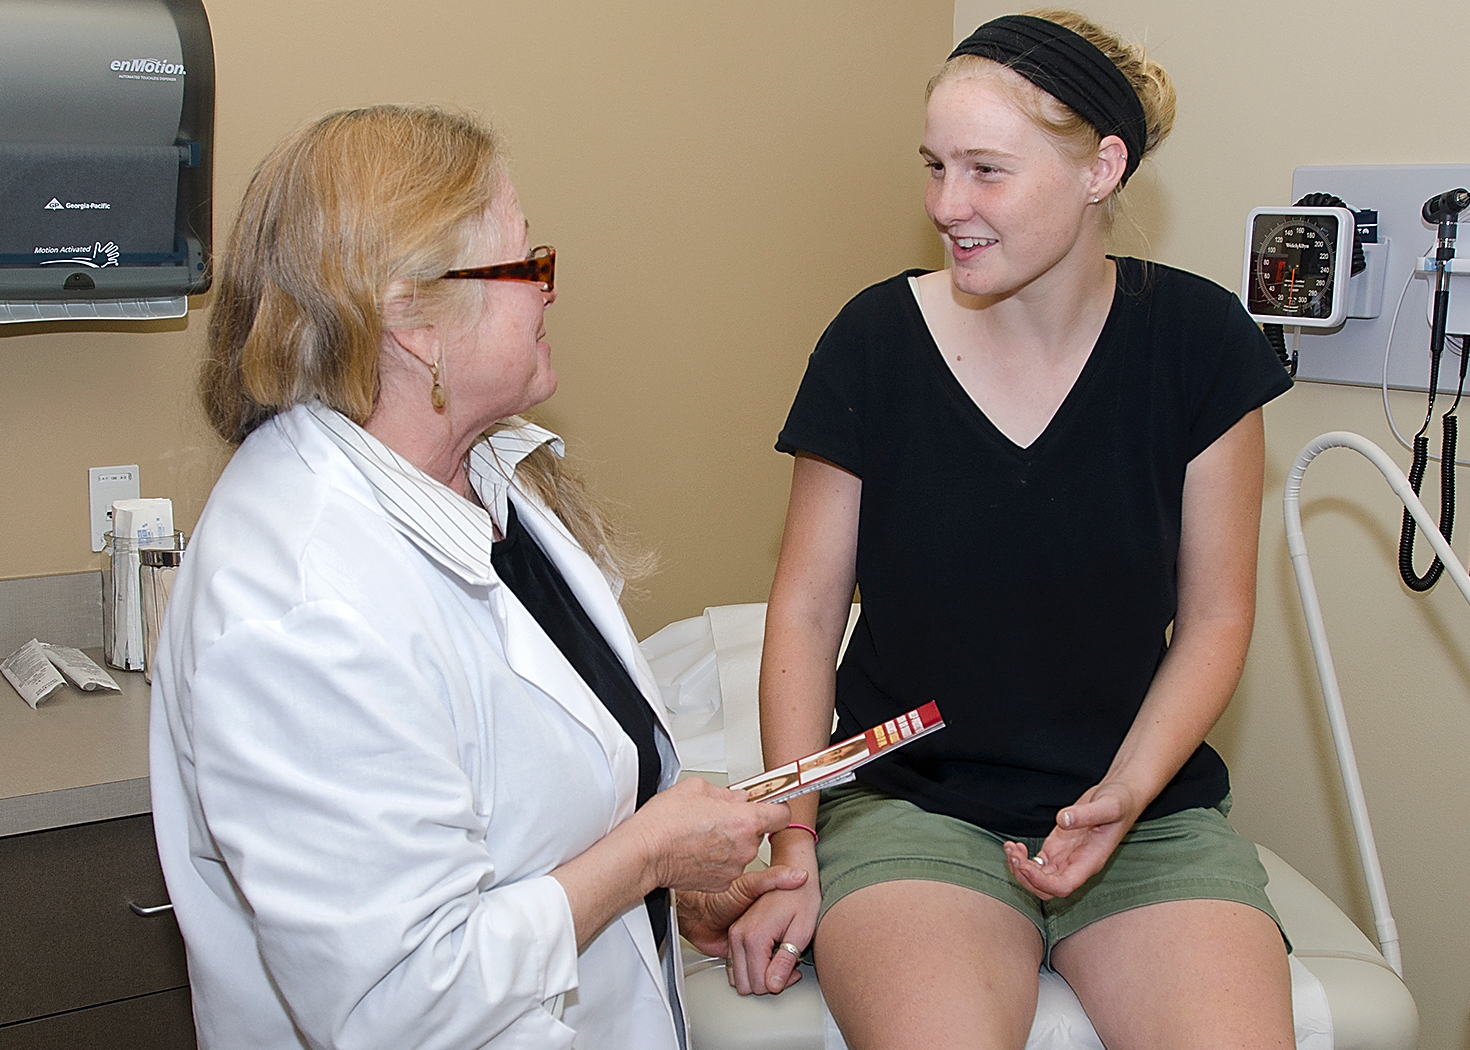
363, 768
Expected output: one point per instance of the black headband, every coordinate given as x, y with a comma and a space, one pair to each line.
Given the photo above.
1070, 69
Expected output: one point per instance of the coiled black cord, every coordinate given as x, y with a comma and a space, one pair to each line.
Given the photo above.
1327, 200
1449, 425
1413, 580
1277, 338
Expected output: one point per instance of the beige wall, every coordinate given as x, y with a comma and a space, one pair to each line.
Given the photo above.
1265, 87
718, 179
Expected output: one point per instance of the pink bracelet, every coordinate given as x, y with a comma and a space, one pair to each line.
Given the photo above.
810, 831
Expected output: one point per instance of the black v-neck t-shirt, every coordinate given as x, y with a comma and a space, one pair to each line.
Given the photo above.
1026, 590
525, 568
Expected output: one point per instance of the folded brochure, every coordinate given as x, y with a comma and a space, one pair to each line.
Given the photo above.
835, 765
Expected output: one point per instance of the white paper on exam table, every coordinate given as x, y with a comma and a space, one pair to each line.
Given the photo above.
699, 661
682, 659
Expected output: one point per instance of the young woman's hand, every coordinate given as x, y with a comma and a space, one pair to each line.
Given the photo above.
755, 962
1086, 834
705, 918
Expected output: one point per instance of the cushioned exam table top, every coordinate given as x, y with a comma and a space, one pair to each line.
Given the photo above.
1371, 1008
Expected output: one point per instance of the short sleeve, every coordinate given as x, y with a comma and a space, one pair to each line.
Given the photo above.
1244, 374
826, 419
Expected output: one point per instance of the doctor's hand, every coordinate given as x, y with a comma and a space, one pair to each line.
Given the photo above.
756, 963
705, 918
1086, 834
701, 837
692, 837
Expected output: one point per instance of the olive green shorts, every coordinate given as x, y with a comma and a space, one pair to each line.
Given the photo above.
867, 837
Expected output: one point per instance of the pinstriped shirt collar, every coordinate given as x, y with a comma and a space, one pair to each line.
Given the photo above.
450, 529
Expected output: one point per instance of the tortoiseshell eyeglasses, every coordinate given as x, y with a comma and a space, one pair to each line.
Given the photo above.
537, 268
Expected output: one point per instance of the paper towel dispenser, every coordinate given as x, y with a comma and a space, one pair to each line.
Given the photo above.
106, 158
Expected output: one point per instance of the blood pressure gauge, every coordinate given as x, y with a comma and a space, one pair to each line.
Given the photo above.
1297, 264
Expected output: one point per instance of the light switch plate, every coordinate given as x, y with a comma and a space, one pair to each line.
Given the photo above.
106, 484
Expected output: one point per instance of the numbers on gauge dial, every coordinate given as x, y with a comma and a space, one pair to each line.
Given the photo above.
1294, 268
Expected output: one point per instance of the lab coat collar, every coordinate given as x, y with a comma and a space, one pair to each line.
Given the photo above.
459, 536
450, 529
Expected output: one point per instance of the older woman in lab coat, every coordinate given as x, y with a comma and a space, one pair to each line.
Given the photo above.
411, 782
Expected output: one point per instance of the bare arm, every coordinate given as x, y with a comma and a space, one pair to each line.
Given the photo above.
807, 614
810, 599
1212, 628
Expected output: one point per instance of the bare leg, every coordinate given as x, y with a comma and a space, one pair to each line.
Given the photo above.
1193, 975
920, 964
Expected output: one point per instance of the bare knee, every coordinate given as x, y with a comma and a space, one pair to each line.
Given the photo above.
1195, 974
915, 963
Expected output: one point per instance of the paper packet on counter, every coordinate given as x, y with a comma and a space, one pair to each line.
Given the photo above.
31, 673
79, 667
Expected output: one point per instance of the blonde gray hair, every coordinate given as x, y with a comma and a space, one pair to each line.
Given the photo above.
345, 225
343, 232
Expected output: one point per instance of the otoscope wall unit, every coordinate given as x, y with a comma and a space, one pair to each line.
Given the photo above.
1393, 295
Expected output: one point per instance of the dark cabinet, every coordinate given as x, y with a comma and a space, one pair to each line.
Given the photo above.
149, 1022
82, 968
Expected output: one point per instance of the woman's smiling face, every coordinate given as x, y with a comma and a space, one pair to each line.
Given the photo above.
1007, 202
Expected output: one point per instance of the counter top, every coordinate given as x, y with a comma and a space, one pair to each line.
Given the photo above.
77, 758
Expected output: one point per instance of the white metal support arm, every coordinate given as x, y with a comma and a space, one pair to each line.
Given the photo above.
1296, 543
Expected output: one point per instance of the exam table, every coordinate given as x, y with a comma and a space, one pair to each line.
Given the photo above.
1345, 995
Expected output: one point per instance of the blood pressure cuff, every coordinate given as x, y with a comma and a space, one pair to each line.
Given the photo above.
63, 202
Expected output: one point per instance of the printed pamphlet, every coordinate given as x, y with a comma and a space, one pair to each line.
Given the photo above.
836, 764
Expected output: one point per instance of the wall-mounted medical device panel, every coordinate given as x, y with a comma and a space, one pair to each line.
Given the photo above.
106, 158
1388, 200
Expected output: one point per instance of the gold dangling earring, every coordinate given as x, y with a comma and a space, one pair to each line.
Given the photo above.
436, 392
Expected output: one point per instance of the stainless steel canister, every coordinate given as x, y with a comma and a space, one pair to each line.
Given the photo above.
159, 567
123, 629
